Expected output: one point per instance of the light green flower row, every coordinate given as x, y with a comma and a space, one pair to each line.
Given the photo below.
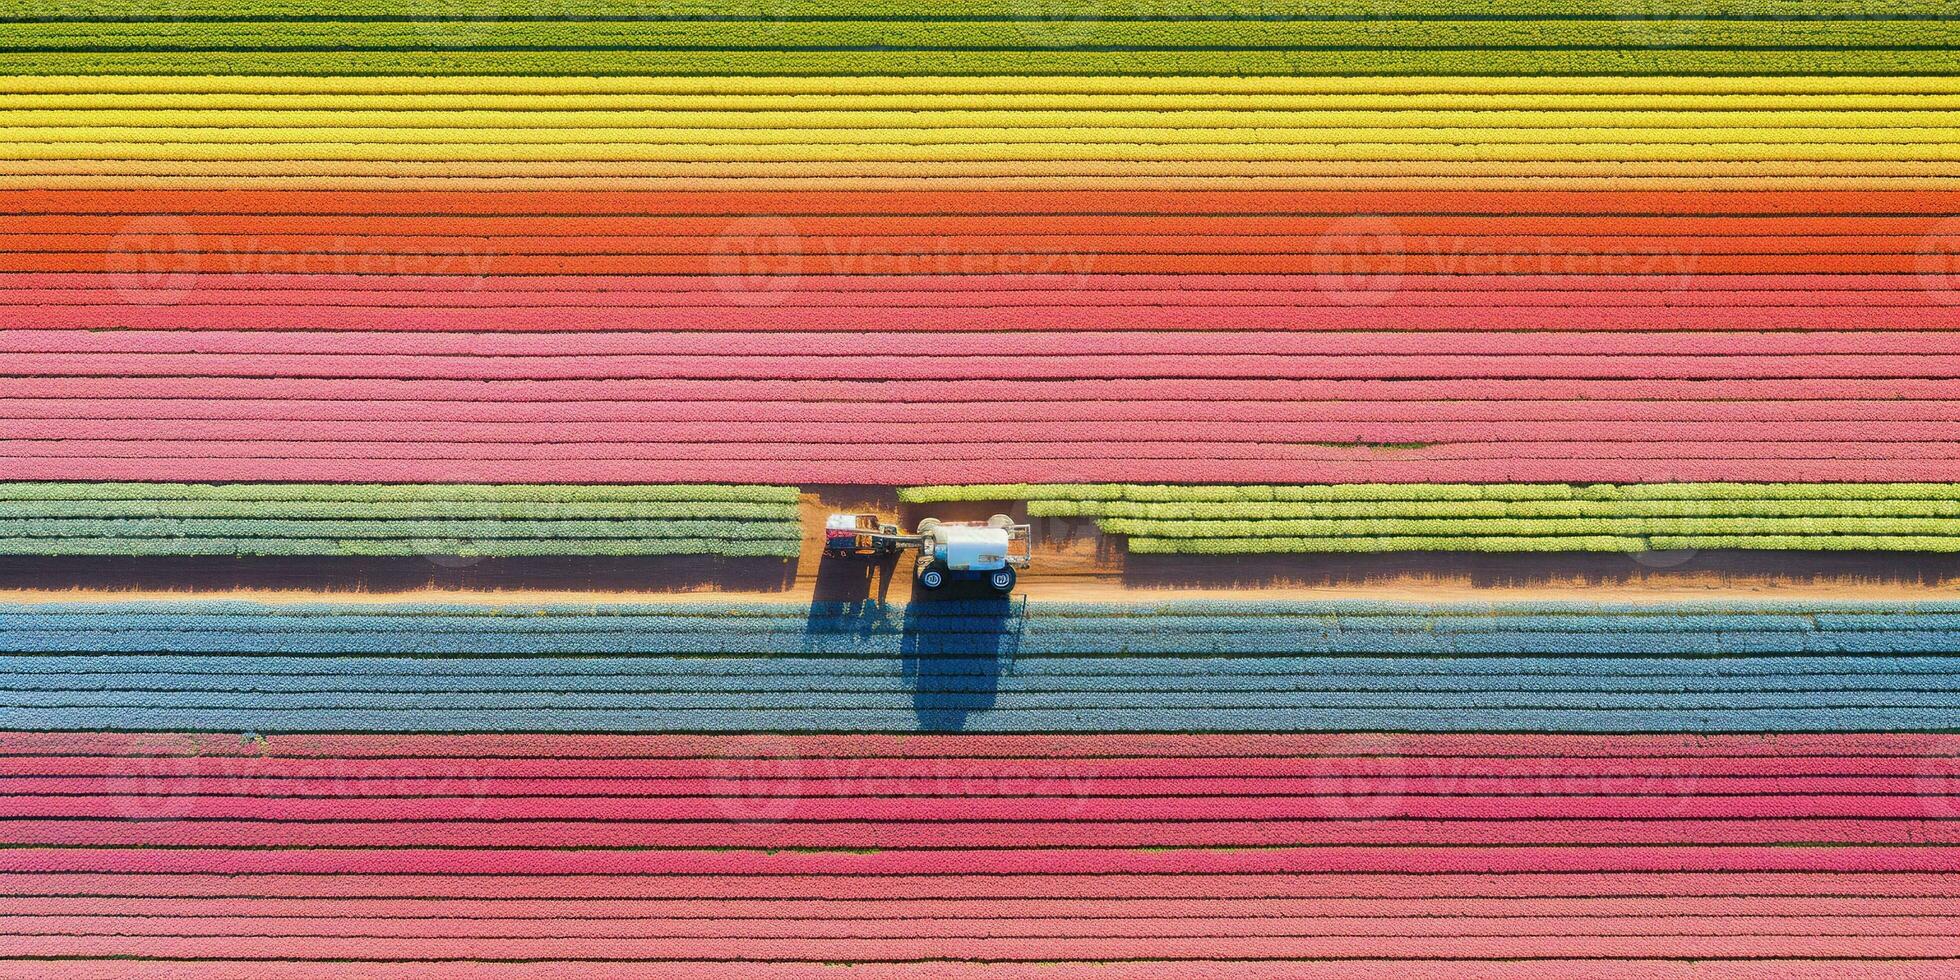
1625, 527
1170, 519
386, 529
264, 519
264, 547
1082, 37
396, 510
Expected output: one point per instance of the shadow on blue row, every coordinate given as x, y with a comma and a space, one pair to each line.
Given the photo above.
951, 676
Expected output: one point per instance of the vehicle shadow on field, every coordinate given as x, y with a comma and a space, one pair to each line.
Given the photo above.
862, 578
952, 660
953, 644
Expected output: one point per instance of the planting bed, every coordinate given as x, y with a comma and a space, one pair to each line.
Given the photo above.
781, 856
982, 666
265, 519
1162, 519
601, 281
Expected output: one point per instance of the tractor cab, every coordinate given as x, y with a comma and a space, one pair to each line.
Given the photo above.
992, 551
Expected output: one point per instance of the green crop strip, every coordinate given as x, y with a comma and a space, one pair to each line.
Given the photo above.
399, 509
514, 528
497, 548
43, 518
1529, 527
1434, 37
1166, 519
1243, 546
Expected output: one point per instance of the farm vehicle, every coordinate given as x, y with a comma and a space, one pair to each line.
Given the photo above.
948, 551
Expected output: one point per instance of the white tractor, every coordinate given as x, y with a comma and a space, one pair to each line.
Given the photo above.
948, 550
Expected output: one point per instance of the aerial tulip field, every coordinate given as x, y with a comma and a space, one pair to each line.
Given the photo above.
1129, 489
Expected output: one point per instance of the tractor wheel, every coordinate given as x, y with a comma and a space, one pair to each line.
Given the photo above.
1000, 520
1002, 581
932, 577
